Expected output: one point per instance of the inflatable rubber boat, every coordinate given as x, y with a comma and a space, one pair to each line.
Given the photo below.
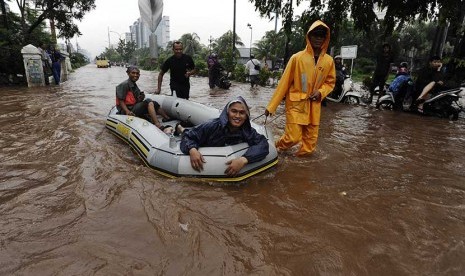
161, 152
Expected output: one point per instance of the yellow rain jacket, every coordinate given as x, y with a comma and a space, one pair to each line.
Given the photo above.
300, 78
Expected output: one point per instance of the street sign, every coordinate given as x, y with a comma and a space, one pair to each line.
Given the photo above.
349, 52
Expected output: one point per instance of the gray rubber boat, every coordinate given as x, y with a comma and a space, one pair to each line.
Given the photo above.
164, 156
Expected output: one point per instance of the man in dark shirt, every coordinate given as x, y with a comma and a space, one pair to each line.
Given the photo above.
430, 79
383, 65
181, 67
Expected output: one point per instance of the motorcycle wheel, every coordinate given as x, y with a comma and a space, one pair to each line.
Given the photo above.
351, 100
407, 103
385, 105
451, 113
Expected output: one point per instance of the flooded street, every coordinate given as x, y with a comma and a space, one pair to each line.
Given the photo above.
383, 195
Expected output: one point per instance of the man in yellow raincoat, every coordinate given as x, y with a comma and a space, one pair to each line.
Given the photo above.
308, 78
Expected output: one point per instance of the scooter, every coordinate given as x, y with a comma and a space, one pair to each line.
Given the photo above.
223, 80
444, 104
403, 100
347, 95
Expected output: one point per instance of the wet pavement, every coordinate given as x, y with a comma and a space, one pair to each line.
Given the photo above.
383, 194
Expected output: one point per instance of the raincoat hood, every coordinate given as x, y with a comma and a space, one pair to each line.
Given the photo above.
224, 114
325, 45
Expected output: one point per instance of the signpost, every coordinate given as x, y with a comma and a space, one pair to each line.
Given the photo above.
349, 52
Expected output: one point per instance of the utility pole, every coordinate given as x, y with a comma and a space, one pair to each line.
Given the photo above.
276, 21
234, 33
109, 44
250, 27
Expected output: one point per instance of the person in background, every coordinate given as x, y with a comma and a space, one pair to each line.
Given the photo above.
131, 101
181, 67
430, 79
383, 66
401, 81
308, 78
341, 74
253, 68
46, 63
56, 58
214, 69
231, 128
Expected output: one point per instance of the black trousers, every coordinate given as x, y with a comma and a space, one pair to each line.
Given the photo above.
182, 90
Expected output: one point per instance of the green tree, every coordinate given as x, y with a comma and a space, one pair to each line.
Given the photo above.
191, 44
270, 46
11, 42
78, 60
224, 51
61, 13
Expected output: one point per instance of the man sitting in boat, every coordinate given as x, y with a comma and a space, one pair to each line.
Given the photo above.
131, 101
231, 128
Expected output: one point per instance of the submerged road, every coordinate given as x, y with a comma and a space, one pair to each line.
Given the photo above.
383, 195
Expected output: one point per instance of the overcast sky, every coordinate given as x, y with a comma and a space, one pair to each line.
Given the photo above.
204, 17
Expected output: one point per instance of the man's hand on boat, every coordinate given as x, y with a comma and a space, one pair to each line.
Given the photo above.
235, 166
197, 159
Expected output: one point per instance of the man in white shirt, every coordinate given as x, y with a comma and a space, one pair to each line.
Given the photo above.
253, 68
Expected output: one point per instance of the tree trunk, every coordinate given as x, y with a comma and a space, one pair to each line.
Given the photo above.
52, 30
459, 47
5, 17
439, 40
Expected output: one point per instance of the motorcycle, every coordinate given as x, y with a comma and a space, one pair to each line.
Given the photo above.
347, 94
444, 104
222, 81
403, 100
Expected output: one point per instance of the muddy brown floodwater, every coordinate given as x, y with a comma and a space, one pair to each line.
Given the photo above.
384, 194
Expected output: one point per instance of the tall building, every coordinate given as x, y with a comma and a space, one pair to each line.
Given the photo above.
140, 33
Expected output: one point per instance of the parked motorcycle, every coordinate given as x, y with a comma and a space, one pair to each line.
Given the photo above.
347, 93
222, 81
403, 100
444, 104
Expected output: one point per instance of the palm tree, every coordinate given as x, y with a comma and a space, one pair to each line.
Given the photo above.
271, 46
191, 43
224, 42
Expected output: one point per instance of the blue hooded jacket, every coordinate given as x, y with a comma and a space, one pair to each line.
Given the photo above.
216, 133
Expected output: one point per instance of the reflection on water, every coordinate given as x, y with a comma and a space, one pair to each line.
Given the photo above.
382, 195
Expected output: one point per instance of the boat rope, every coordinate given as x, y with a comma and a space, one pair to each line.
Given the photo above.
266, 117
275, 117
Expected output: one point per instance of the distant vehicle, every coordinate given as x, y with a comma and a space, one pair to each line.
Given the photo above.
103, 63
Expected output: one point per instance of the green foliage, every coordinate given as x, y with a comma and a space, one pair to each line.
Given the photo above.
144, 60
222, 46
375, 31
363, 65
270, 47
201, 66
64, 13
191, 44
12, 41
264, 77
239, 73
78, 60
